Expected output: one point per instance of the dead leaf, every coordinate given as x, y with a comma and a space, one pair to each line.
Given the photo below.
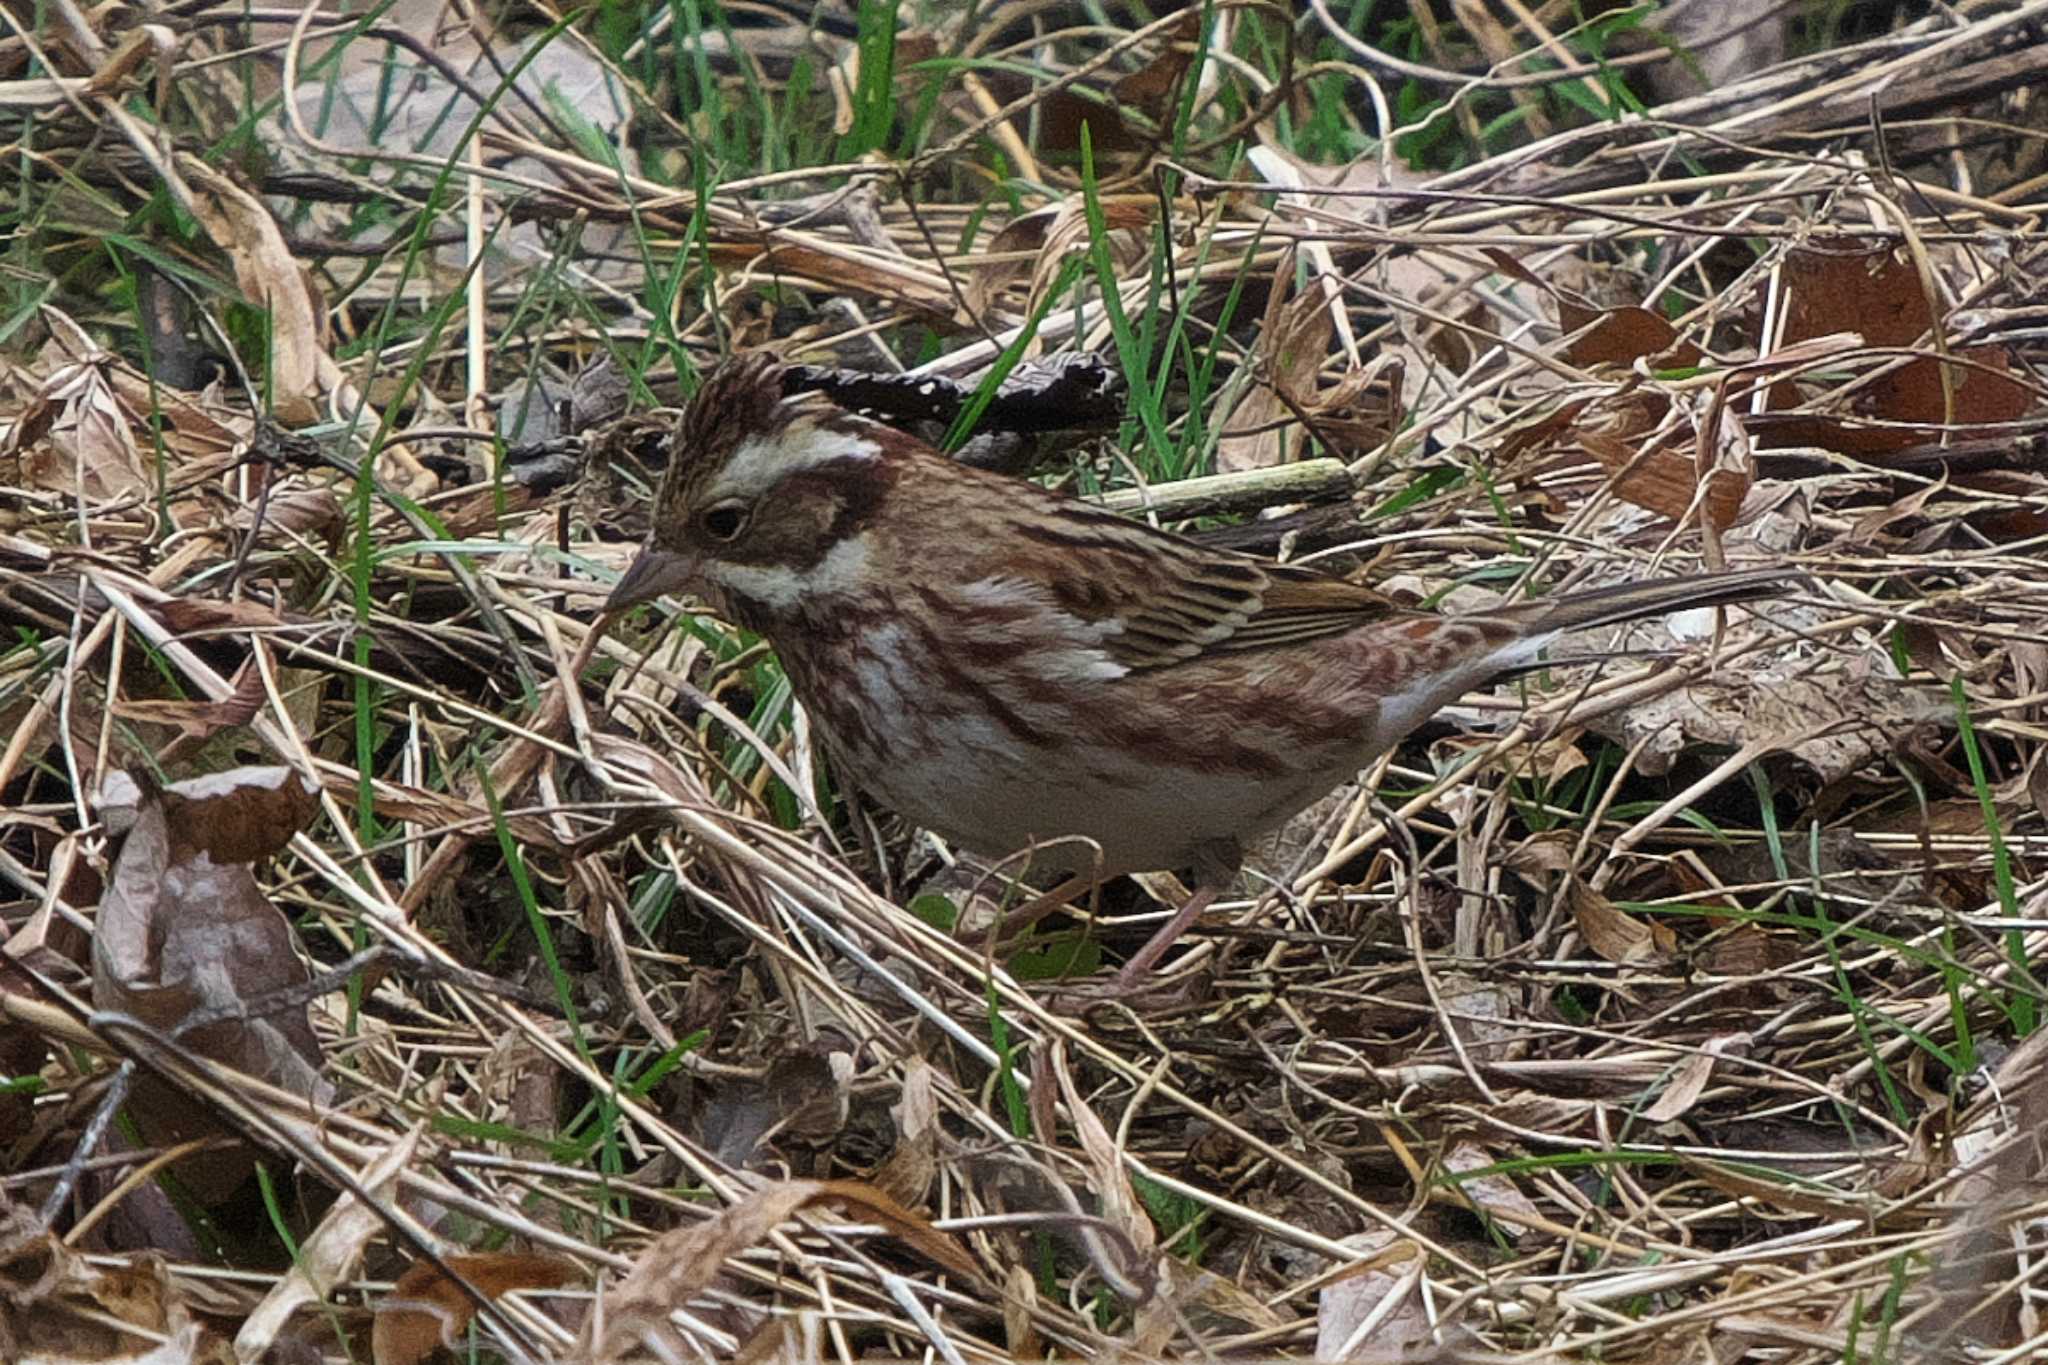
270, 278
1495, 1193
680, 1262
906, 1175
331, 1253
75, 436
1622, 336
843, 271
184, 932
202, 720
1391, 1267
426, 1310
1690, 1081
1662, 479
237, 816
1613, 933
1851, 286
1121, 1208
1155, 85
1542, 856
1292, 346
1779, 1193
56, 1307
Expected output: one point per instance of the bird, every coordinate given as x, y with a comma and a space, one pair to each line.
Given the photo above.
1013, 668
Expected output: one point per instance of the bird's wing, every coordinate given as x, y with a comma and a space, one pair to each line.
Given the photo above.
1167, 599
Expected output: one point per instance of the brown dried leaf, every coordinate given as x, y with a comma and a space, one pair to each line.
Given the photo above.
331, 1252
1154, 84
270, 278
1293, 344
1345, 1304
299, 512
1495, 1194
1063, 113
1068, 230
1690, 1081
426, 1310
1613, 933
238, 816
180, 935
1878, 292
1662, 479
58, 1308
1746, 951
1203, 1301
202, 720
1622, 336
1777, 1193
1119, 1205
200, 430
906, 1175
845, 271
1542, 856
1539, 433
680, 1262
76, 437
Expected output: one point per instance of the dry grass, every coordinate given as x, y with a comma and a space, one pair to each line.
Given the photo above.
1670, 1009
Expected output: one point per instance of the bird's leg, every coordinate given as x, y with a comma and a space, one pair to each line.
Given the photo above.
1216, 866
1139, 967
1022, 918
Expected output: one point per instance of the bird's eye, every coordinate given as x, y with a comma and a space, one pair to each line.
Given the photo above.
725, 521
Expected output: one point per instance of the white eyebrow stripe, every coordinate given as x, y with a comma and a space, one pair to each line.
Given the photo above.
758, 463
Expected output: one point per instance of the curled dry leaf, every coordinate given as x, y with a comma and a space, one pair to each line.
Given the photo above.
76, 436
1622, 336
270, 278
426, 1310
844, 269
1690, 1081
1020, 1298
1630, 433
298, 513
1612, 932
1292, 346
907, 1173
1833, 725
1372, 1313
681, 1262
331, 1253
198, 721
1664, 479
236, 816
56, 1307
1851, 286
1207, 1304
1493, 1194
1542, 855
1130, 1262
187, 943
1053, 233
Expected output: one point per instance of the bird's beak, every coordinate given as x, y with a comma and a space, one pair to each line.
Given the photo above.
652, 573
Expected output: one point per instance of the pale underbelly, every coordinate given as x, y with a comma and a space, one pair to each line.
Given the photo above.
985, 792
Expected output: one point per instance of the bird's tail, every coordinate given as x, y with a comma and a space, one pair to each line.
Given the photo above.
1633, 601
1534, 625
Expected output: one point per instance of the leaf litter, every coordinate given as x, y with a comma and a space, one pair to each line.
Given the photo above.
1665, 1007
